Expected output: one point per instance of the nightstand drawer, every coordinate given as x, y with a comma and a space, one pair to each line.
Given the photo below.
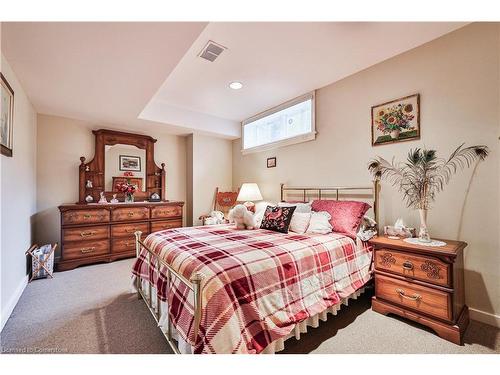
420, 267
429, 301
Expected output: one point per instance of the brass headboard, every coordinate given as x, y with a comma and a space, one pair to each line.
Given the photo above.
373, 190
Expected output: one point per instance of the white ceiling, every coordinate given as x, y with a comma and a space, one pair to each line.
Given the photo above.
99, 72
148, 73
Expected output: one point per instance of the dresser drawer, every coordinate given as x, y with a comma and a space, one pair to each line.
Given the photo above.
420, 267
130, 213
121, 245
85, 216
166, 211
85, 249
128, 230
429, 301
164, 225
86, 233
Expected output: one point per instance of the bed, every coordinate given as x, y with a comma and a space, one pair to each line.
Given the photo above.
215, 289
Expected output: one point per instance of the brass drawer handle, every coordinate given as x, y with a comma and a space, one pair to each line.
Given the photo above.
415, 297
87, 216
407, 265
88, 233
87, 250
130, 214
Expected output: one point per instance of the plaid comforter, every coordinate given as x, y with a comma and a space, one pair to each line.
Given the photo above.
256, 284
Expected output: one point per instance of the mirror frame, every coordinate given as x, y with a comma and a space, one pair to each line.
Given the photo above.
94, 169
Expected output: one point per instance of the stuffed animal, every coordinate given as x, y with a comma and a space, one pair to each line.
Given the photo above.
216, 217
241, 217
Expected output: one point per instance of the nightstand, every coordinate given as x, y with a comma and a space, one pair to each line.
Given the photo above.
422, 283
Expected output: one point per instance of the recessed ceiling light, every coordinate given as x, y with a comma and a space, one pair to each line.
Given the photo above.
236, 85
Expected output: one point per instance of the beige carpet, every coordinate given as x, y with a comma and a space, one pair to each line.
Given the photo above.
91, 310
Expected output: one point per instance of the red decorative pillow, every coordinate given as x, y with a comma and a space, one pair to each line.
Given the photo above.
346, 215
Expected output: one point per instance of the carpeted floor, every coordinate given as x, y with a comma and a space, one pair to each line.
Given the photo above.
91, 310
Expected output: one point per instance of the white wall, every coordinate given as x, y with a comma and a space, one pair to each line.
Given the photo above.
210, 167
189, 181
457, 76
61, 142
18, 197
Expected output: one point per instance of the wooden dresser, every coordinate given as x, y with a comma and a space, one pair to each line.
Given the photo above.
422, 283
92, 233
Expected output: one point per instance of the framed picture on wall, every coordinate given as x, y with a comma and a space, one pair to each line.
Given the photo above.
271, 162
130, 163
6, 116
396, 121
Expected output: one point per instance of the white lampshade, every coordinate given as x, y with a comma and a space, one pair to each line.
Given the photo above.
249, 192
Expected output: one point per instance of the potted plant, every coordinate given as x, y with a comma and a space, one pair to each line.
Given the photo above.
423, 175
395, 119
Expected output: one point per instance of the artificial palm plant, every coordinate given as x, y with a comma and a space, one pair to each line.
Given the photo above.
423, 175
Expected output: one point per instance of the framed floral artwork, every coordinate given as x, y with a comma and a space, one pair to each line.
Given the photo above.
6, 116
396, 121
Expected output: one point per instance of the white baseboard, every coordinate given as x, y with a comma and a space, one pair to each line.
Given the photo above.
9, 306
485, 317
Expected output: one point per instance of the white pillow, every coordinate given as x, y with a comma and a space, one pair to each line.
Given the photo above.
299, 207
320, 223
300, 222
258, 217
262, 205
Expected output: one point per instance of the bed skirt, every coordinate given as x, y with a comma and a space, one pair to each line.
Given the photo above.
275, 346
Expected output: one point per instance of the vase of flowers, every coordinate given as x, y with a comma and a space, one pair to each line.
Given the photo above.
423, 175
395, 119
128, 189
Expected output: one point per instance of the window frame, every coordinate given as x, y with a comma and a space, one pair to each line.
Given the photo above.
286, 141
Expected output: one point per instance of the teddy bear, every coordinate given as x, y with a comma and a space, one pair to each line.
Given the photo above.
241, 217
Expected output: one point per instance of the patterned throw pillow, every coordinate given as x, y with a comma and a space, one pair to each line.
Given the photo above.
277, 218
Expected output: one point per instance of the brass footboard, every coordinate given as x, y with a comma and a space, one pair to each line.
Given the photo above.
194, 284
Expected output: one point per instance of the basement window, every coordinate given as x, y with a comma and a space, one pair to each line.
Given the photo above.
289, 123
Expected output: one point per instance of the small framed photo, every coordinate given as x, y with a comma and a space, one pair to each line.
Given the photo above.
271, 162
396, 121
6, 116
130, 163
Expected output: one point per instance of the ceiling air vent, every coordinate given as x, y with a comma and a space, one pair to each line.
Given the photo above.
211, 51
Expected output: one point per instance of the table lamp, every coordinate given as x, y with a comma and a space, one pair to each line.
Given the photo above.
249, 192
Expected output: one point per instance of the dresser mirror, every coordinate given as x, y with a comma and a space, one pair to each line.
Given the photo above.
124, 164
121, 158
